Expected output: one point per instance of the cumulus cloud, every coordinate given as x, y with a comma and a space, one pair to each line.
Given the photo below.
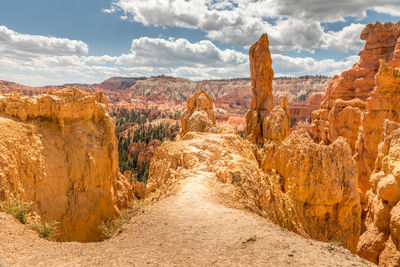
344, 40
393, 10
159, 52
21, 44
298, 66
331, 11
291, 24
146, 57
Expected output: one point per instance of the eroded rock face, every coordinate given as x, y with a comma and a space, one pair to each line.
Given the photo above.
305, 187
60, 152
355, 110
321, 182
199, 115
325, 207
264, 122
276, 126
379, 243
346, 96
382, 104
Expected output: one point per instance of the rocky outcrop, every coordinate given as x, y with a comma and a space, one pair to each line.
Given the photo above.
382, 104
352, 109
306, 187
312, 194
261, 81
380, 242
264, 122
321, 183
346, 96
60, 151
276, 126
199, 115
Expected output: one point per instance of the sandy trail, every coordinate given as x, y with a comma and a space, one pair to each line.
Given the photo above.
189, 228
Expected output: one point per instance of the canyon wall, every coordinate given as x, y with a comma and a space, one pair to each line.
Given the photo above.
349, 109
380, 242
356, 106
59, 151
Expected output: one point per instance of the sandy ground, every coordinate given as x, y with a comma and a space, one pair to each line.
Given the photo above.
189, 228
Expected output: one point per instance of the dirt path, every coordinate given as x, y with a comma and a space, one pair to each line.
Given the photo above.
189, 228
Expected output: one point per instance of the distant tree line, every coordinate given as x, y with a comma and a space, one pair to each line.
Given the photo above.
145, 132
302, 77
123, 116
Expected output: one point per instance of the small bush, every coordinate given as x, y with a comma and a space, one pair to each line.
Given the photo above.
17, 208
46, 229
108, 228
111, 226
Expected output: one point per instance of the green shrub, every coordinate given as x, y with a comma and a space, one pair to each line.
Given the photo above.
46, 229
17, 208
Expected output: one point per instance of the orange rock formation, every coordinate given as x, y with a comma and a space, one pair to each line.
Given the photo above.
60, 151
379, 243
347, 108
264, 122
261, 81
306, 187
199, 115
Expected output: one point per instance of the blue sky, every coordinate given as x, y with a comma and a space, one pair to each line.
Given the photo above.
57, 41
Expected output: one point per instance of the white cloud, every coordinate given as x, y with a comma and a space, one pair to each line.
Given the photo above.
344, 40
330, 11
291, 24
393, 10
150, 56
147, 56
159, 52
23, 44
298, 66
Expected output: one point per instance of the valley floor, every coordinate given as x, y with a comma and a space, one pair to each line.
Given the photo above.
189, 228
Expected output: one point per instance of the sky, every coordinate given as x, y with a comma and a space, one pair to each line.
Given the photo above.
52, 42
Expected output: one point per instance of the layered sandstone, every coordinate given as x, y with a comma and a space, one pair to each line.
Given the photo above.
380, 242
198, 115
60, 151
231, 97
346, 96
355, 110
